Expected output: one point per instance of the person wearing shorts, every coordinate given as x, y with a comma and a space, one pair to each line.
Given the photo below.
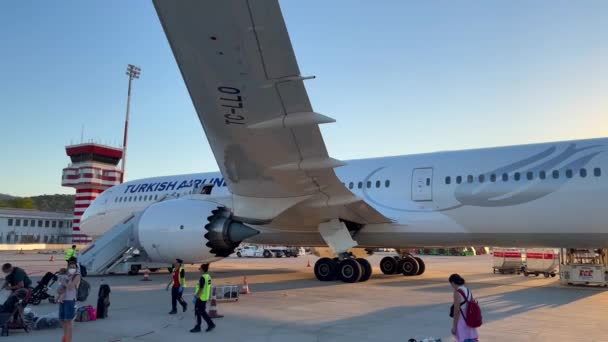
67, 300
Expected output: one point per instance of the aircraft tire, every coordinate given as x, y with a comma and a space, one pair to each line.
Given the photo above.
409, 266
389, 265
349, 271
421, 266
367, 269
325, 269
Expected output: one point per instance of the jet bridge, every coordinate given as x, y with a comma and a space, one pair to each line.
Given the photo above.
116, 252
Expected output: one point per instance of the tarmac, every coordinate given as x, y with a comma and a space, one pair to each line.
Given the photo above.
288, 304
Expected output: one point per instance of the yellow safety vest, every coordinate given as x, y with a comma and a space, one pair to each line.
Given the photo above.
182, 280
70, 253
206, 293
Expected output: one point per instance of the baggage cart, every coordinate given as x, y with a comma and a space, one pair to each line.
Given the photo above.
507, 260
227, 293
584, 266
543, 261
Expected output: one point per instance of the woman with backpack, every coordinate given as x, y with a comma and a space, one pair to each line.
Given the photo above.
464, 328
68, 292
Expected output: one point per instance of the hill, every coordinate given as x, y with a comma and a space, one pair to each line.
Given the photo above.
61, 203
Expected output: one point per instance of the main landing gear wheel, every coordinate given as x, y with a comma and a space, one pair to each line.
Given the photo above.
349, 271
389, 265
421, 265
367, 269
409, 266
325, 269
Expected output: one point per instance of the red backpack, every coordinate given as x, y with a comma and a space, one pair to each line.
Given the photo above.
473, 315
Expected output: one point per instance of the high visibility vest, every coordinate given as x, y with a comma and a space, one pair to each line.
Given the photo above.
182, 280
70, 253
206, 293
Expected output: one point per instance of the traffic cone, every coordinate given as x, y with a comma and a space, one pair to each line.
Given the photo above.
245, 289
146, 275
308, 265
213, 307
52, 258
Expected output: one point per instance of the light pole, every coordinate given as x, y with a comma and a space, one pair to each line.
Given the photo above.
133, 73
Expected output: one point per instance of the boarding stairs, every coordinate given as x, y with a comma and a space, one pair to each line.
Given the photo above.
114, 247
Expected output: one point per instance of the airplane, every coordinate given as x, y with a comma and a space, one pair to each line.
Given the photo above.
277, 184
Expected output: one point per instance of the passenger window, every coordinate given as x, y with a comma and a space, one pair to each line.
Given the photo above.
542, 175
583, 173
555, 174
448, 180
378, 184
569, 173
369, 184
387, 183
360, 185
459, 179
505, 177
350, 185
493, 178
469, 179
428, 182
155, 197
482, 178
530, 175
597, 172
517, 176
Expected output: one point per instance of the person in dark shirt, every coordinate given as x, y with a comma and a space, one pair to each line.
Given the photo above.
16, 278
179, 283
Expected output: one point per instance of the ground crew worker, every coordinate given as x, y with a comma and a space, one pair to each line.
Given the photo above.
201, 295
70, 253
179, 283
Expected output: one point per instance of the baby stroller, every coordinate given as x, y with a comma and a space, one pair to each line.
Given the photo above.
11, 311
40, 292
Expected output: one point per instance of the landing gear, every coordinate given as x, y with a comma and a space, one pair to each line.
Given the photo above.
367, 269
389, 265
349, 270
407, 265
325, 269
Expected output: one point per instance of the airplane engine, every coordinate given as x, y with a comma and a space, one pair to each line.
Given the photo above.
192, 230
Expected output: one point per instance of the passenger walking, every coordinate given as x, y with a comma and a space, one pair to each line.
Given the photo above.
462, 295
70, 254
15, 278
68, 291
179, 283
202, 294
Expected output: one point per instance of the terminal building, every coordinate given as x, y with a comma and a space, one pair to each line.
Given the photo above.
20, 226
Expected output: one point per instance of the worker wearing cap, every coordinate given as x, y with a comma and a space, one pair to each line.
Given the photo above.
179, 283
70, 254
202, 293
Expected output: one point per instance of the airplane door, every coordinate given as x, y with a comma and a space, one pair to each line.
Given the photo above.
422, 184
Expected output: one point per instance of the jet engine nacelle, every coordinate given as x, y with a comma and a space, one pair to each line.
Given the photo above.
189, 229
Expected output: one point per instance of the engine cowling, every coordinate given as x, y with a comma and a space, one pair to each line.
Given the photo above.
189, 229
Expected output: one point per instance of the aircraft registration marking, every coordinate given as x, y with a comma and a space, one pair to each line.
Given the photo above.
233, 104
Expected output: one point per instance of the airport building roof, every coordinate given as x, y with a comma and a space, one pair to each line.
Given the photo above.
31, 213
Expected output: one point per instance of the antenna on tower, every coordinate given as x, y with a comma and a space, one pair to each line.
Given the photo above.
82, 134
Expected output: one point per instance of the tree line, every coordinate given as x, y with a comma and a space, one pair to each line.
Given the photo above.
61, 203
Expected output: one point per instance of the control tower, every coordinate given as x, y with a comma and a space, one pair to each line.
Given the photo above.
92, 170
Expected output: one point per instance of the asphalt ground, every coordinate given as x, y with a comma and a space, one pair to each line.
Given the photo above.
288, 304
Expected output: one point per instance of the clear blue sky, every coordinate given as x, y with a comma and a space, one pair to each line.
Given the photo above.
399, 76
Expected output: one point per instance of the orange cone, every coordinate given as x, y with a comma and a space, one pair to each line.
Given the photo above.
52, 258
245, 289
146, 275
308, 265
213, 307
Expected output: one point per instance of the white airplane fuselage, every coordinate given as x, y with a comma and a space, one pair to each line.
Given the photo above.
550, 194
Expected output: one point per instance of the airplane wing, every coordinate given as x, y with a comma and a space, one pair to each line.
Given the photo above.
238, 64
